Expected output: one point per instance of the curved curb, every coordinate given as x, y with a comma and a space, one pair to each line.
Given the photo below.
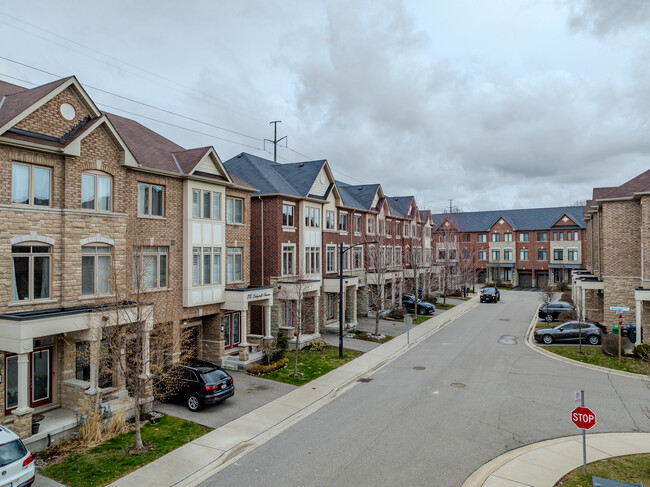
529, 340
527, 456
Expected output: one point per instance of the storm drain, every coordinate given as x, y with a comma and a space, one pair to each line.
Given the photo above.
458, 385
364, 379
419, 367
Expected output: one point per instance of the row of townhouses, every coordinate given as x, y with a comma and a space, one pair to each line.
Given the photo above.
526, 248
617, 259
89, 198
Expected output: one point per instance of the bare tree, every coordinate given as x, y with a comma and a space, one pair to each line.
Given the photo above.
141, 336
547, 295
378, 266
297, 308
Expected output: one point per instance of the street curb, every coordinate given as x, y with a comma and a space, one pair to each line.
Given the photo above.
480, 476
224, 457
531, 343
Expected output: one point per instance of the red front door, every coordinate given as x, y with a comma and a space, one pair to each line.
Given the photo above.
40, 379
231, 330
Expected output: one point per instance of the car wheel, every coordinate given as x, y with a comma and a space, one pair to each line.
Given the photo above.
547, 339
194, 402
593, 340
548, 318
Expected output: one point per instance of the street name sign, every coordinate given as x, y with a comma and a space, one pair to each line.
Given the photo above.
583, 417
618, 308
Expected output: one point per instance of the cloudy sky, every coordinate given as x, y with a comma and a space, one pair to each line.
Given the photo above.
492, 104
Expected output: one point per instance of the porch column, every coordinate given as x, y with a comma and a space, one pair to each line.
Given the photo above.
243, 328
267, 322
93, 352
146, 335
23, 413
316, 314
23, 382
639, 316
400, 291
354, 303
392, 292
583, 303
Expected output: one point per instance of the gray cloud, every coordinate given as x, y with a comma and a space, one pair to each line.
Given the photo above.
603, 17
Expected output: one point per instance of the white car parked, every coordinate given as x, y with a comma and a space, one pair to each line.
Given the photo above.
16, 463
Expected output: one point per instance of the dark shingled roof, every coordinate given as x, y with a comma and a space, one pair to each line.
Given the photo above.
187, 159
17, 101
358, 196
521, 220
150, 149
295, 179
638, 184
399, 205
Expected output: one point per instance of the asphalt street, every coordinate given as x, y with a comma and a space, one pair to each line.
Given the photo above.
434, 415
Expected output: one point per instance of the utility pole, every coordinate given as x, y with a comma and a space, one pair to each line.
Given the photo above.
275, 139
450, 207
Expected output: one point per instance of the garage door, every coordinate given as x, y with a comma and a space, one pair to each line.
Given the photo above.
525, 279
542, 279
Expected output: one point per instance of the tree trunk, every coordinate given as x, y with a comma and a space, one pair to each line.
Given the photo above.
138, 427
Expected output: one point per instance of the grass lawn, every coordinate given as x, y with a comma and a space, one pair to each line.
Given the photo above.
109, 461
543, 324
421, 319
445, 306
633, 468
594, 355
311, 364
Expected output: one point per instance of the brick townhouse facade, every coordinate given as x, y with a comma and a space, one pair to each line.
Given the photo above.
617, 262
87, 200
525, 247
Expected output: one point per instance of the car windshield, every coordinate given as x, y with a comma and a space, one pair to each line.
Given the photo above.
488, 290
12, 451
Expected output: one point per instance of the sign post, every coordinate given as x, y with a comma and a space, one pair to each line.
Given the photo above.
620, 310
407, 321
584, 418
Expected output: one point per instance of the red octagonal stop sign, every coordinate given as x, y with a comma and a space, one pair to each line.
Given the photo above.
583, 418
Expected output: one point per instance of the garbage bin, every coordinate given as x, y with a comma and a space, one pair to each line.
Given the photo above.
625, 331
631, 334
615, 330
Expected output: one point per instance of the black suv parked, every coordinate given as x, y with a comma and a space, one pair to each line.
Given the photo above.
551, 311
201, 383
424, 307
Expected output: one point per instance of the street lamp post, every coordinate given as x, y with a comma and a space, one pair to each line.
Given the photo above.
342, 251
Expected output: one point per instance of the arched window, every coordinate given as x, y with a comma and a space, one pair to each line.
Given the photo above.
31, 271
96, 270
96, 191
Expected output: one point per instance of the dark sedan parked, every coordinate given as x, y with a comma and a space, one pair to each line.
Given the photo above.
424, 307
490, 294
551, 311
571, 331
200, 383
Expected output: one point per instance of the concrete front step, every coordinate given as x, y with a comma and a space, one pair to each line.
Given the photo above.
232, 362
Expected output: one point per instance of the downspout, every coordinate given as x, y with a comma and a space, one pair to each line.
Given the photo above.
600, 270
262, 236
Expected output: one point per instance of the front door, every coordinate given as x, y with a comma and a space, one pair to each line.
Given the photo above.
231, 330
40, 379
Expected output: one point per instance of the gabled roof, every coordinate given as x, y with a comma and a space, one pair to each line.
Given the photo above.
521, 219
17, 102
359, 196
425, 215
638, 184
293, 179
400, 205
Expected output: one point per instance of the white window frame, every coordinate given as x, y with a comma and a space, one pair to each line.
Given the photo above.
97, 175
231, 210
343, 221
572, 250
523, 254
234, 262
199, 257
148, 203
288, 214
31, 255
288, 251
161, 256
330, 220
330, 258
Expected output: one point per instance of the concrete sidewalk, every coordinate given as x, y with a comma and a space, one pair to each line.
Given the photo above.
543, 464
196, 461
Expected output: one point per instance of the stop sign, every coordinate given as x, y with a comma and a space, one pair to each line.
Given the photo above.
583, 418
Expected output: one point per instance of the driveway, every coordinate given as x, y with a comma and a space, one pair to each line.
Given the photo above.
250, 393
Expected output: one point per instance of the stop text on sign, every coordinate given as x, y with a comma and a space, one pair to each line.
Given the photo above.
583, 418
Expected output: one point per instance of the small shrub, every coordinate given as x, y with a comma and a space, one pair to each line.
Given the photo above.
317, 345
457, 293
567, 316
610, 344
397, 313
259, 369
642, 351
432, 298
